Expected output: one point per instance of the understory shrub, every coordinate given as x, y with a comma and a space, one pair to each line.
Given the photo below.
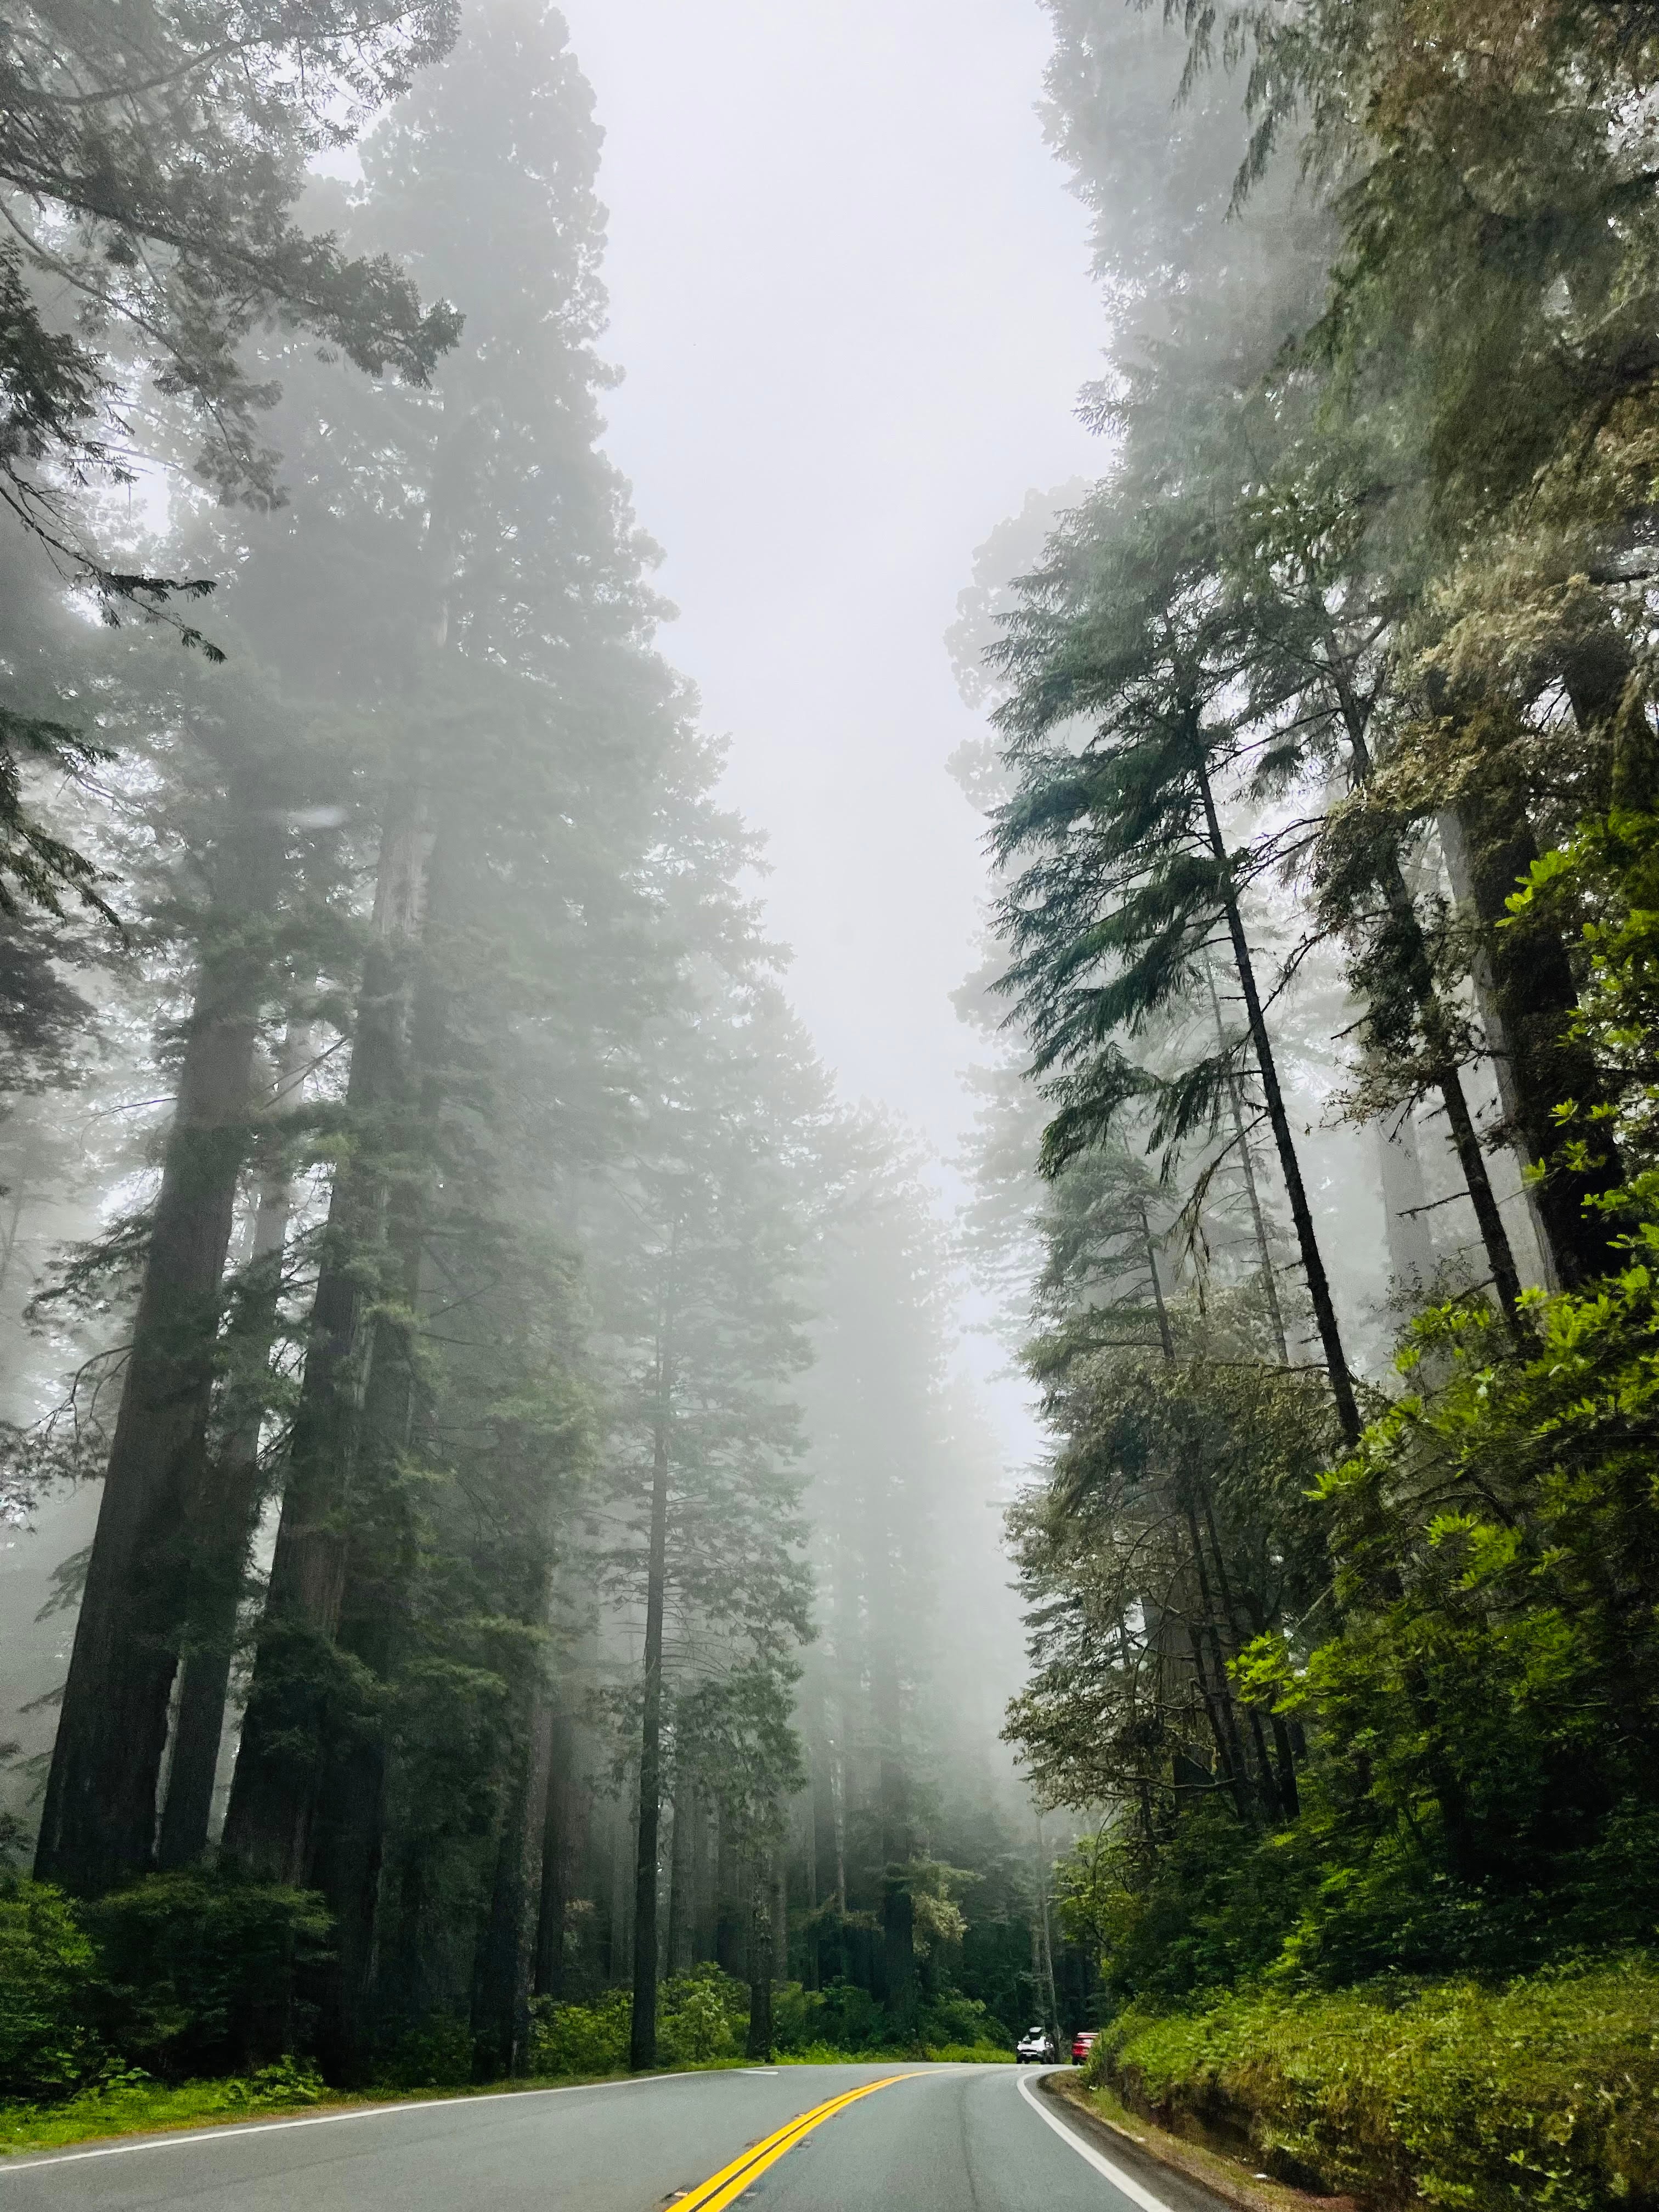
48, 2044
1542, 2092
177, 1975
126, 2100
955, 2022
701, 2015
580, 2039
204, 1973
436, 2053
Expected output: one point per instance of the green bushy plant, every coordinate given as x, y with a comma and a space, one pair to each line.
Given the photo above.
435, 2053
957, 2022
844, 2016
203, 1973
124, 2099
702, 2016
48, 2042
590, 2038
274, 2088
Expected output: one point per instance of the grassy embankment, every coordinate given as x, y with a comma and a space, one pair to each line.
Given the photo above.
1543, 2092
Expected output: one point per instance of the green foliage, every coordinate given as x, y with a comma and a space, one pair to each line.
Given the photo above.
1605, 882
169, 1976
954, 2022
1209, 1907
1488, 1713
437, 2054
48, 2042
125, 2100
195, 1969
1541, 2091
702, 2016
571, 2039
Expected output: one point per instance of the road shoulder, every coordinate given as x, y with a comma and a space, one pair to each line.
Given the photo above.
1188, 2176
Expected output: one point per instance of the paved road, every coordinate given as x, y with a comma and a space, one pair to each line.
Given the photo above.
940, 2139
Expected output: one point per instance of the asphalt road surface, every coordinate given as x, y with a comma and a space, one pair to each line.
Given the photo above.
892, 2138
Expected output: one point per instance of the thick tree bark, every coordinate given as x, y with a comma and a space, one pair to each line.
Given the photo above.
1528, 997
561, 1841
99, 1823
1313, 1264
1400, 1169
682, 1873
229, 1512
642, 2045
1402, 912
1258, 1220
501, 2017
761, 2042
269, 1826
730, 1917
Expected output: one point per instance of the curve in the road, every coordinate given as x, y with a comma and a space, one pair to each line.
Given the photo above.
724, 2187
948, 2139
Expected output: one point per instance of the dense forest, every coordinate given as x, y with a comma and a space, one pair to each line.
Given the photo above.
1316, 1162
525, 1596
496, 1405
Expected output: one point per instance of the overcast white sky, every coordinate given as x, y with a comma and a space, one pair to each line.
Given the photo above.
849, 290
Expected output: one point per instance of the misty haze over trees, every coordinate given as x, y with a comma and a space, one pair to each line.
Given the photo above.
504, 1574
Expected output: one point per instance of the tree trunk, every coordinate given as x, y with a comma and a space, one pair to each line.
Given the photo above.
682, 1873
561, 1841
1419, 973
1313, 1264
761, 2043
99, 1823
1399, 1168
643, 2042
296, 1675
1258, 1221
230, 1509
1528, 997
501, 2015
730, 1917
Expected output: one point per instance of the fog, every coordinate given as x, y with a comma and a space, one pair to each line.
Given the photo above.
504, 1437
850, 293
826, 1039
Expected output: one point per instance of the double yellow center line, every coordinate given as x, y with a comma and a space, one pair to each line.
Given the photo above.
724, 2187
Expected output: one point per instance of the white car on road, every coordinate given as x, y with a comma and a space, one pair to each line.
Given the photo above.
1036, 2044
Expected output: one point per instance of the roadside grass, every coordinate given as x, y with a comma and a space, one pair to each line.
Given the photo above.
1544, 2091
131, 2103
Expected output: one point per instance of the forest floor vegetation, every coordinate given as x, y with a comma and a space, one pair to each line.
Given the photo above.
1541, 2091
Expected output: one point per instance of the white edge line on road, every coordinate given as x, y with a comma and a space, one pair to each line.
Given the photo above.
186, 2136
1131, 2188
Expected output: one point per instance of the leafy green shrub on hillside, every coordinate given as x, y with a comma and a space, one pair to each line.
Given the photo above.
47, 2041
1544, 2092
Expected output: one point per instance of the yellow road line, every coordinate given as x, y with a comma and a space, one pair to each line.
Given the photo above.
724, 2187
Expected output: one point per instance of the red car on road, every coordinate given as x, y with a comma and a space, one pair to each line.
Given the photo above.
1082, 2043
